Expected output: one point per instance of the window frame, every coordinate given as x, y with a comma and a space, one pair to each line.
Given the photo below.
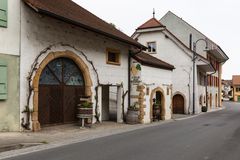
118, 55
151, 48
4, 15
4, 80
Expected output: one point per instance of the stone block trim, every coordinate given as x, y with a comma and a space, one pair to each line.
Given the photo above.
51, 56
141, 101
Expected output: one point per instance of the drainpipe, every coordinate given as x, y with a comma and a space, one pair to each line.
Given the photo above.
194, 70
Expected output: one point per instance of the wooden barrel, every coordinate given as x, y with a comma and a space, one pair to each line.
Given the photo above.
132, 117
156, 114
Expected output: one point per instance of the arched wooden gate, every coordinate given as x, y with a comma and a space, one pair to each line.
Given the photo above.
178, 104
61, 85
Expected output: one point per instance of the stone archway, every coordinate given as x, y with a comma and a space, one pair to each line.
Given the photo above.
163, 110
50, 57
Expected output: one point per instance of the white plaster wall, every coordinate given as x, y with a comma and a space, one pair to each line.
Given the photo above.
154, 78
182, 30
212, 90
41, 31
170, 52
9, 41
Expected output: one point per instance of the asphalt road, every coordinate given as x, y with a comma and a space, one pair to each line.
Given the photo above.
211, 136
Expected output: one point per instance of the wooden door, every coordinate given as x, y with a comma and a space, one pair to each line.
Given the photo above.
60, 87
178, 104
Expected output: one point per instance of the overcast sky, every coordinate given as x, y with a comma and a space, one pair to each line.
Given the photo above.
219, 20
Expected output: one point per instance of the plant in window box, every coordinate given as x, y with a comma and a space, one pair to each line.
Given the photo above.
133, 114
86, 108
85, 113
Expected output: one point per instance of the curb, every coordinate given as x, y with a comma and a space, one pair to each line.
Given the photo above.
24, 151
42, 147
201, 113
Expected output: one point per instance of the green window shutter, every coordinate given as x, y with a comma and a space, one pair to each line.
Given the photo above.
3, 13
3, 80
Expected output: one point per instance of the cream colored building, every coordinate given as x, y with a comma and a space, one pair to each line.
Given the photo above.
206, 48
164, 45
53, 58
236, 87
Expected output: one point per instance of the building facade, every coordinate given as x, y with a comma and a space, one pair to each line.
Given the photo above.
163, 45
151, 87
9, 65
227, 90
52, 57
236, 88
205, 48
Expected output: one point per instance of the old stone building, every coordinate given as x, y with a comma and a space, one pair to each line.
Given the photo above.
52, 55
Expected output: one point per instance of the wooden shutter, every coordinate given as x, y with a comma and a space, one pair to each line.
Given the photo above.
3, 80
3, 13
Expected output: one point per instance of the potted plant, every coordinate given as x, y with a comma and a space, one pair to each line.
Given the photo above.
133, 114
85, 113
204, 108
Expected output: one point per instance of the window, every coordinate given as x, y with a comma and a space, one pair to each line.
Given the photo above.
151, 47
3, 13
238, 89
3, 80
113, 56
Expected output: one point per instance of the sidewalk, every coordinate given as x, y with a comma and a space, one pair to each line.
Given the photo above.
18, 143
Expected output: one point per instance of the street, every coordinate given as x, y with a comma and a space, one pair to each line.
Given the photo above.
211, 136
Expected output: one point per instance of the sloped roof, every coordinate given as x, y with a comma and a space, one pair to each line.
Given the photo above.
236, 79
186, 23
151, 23
159, 24
226, 82
70, 12
148, 60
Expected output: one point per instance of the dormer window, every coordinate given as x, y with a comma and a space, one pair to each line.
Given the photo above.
151, 47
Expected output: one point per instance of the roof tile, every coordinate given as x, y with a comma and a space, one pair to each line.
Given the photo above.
236, 79
70, 12
152, 23
148, 60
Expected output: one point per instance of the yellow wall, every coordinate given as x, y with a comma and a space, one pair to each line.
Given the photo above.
235, 94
